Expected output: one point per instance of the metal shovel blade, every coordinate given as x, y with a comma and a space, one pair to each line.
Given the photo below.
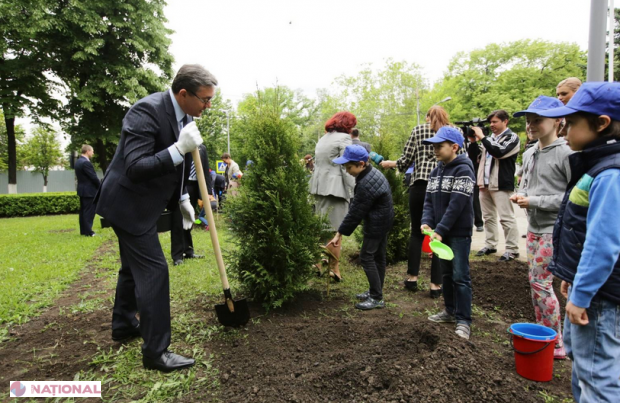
233, 313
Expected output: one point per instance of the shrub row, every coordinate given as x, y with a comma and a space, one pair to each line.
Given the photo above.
29, 204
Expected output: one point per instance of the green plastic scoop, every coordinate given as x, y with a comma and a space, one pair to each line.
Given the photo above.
439, 248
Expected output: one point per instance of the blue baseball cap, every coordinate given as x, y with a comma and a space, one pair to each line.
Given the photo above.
540, 104
598, 98
446, 133
354, 152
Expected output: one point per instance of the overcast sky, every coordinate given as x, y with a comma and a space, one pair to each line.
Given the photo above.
307, 44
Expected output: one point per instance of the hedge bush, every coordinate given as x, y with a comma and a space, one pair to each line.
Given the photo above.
28, 204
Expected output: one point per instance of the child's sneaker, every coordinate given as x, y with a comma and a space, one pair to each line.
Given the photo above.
559, 353
442, 317
369, 304
463, 331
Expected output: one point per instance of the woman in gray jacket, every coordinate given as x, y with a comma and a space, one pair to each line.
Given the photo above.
330, 184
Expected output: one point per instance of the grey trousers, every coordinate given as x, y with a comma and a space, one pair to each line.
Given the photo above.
494, 202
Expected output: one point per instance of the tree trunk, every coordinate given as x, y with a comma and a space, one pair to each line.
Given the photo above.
10, 131
101, 153
44, 183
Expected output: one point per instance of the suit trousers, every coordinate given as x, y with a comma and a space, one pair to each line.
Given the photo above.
181, 242
143, 287
87, 215
494, 202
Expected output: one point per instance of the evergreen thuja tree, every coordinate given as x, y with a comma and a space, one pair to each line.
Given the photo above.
277, 234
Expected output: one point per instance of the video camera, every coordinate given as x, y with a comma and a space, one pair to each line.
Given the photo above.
467, 127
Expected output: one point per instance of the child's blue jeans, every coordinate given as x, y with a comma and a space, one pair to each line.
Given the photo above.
595, 352
456, 286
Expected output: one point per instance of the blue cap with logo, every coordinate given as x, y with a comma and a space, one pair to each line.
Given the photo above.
446, 133
353, 153
599, 98
540, 104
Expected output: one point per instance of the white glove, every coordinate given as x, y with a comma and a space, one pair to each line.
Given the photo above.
189, 138
188, 213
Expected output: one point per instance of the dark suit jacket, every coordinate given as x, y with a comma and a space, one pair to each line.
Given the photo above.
88, 182
361, 143
204, 158
142, 179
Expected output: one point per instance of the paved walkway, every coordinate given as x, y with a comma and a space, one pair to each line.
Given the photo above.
477, 242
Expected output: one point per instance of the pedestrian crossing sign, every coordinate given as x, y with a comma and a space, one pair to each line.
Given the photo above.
221, 167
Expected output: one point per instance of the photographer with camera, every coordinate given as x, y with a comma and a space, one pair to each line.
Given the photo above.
473, 151
495, 178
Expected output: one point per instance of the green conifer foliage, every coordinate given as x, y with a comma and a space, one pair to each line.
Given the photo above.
277, 233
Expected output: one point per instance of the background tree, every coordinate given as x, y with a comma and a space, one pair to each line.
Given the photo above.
212, 126
27, 62
508, 76
42, 152
4, 148
277, 233
113, 53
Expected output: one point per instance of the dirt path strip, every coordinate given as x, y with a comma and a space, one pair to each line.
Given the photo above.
60, 342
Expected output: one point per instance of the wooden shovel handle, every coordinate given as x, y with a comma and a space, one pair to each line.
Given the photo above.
202, 183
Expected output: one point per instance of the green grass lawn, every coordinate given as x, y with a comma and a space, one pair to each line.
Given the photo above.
39, 257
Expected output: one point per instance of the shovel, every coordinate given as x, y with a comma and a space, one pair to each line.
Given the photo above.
439, 248
230, 313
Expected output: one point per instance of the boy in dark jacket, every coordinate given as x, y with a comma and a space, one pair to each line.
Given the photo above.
448, 207
373, 204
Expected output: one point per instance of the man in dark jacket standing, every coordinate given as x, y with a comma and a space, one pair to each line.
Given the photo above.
145, 176
181, 243
87, 187
496, 180
372, 202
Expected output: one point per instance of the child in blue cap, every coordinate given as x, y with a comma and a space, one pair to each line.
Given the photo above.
546, 173
586, 240
449, 209
372, 203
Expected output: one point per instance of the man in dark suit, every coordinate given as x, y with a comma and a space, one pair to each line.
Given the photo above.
355, 139
181, 243
145, 176
88, 185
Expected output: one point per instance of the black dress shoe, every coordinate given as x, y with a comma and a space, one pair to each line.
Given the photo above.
178, 262
435, 293
124, 335
167, 362
194, 256
486, 251
411, 285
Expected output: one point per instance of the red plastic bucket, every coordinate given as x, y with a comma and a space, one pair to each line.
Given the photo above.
533, 346
426, 245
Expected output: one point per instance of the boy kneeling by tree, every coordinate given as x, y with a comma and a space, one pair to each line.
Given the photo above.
448, 207
373, 204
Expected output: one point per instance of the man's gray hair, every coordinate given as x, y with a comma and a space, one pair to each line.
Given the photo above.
86, 148
191, 77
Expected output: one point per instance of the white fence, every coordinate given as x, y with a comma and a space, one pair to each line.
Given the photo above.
31, 182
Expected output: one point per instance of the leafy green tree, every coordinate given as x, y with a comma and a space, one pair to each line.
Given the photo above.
42, 152
277, 233
113, 53
507, 76
28, 58
291, 105
213, 125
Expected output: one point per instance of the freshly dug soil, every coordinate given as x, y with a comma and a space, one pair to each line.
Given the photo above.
325, 351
